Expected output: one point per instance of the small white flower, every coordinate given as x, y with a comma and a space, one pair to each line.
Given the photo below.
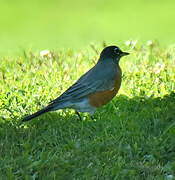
157, 80
158, 68
158, 65
46, 53
128, 43
149, 43
157, 71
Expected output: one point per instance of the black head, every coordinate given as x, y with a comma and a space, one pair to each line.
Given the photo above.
112, 52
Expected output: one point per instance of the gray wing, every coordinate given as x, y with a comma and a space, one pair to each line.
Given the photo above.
93, 81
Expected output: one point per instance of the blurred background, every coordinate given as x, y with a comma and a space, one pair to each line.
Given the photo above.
54, 24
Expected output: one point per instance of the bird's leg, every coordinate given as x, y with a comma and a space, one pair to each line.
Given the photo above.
78, 115
92, 117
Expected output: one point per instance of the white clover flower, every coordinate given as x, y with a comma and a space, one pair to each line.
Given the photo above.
149, 43
46, 53
127, 43
157, 80
158, 68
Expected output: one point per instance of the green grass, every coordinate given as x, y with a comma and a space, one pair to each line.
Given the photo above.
133, 137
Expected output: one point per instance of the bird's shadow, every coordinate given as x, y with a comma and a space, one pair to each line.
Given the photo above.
144, 124
159, 112
122, 107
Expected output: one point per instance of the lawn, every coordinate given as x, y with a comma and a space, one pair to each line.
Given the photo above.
133, 137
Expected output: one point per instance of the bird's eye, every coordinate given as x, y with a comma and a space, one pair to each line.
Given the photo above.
117, 51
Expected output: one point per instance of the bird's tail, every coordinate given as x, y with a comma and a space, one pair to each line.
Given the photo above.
46, 109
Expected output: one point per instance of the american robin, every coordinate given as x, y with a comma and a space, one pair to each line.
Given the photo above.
94, 89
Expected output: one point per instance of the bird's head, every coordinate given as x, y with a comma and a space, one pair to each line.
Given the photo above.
112, 52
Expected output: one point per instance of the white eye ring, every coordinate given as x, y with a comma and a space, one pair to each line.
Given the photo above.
116, 50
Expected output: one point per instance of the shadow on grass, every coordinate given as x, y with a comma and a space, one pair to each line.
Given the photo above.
154, 115
139, 131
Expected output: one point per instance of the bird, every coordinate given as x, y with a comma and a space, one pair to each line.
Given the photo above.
92, 90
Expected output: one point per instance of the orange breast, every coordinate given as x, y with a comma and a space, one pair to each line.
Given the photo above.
99, 99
